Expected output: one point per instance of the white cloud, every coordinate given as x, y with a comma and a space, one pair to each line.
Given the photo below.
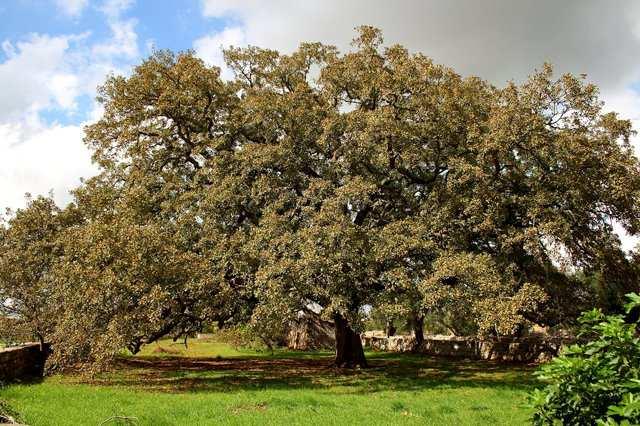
72, 8
27, 74
114, 8
45, 73
65, 89
123, 41
40, 160
209, 48
216, 8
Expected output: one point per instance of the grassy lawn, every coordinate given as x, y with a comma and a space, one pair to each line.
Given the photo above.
210, 383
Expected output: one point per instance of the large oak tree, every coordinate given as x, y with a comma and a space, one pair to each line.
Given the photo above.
339, 181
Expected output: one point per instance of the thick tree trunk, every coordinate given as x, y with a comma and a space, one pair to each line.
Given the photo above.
349, 352
390, 329
417, 323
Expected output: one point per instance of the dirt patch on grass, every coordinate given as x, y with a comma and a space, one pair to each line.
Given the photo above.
181, 374
246, 408
222, 364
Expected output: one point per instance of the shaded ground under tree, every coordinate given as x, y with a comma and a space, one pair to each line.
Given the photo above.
211, 383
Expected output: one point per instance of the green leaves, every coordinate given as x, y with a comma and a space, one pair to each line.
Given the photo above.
597, 381
343, 180
29, 248
477, 295
634, 302
357, 178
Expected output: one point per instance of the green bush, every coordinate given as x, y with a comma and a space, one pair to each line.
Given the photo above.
597, 382
243, 337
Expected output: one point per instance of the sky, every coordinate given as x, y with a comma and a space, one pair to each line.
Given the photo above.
55, 53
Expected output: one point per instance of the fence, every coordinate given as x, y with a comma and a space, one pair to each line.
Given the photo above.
499, 349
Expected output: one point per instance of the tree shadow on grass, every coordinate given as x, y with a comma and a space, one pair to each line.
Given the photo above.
388, 372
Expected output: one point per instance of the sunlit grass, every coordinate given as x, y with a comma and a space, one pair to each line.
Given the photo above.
211, 383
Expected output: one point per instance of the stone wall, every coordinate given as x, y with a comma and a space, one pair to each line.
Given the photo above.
498, 349
22, 362
310, 332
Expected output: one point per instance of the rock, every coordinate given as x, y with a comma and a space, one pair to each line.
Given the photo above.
310, 332
204, 336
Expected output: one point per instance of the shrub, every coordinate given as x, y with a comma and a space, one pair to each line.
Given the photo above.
596, 382
243, 337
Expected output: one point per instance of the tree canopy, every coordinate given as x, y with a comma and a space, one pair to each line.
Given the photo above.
372, 178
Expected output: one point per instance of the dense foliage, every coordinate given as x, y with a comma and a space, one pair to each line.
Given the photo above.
28, 251
373, 178
597, 381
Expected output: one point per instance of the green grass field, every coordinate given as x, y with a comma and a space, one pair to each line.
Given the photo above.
210, 383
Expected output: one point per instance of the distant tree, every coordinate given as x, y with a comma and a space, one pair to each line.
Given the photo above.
28, 250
